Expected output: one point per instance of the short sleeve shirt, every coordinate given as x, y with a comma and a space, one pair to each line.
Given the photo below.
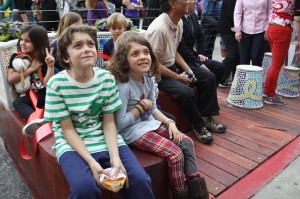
85, 104
164, 37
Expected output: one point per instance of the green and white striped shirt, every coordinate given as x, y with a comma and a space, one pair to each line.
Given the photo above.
85, 104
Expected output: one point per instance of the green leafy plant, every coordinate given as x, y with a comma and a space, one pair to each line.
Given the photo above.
10, 30
101, 25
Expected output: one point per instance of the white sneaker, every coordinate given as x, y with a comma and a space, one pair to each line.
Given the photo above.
30, 128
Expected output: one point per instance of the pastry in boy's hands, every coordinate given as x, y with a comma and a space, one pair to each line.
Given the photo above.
113, 185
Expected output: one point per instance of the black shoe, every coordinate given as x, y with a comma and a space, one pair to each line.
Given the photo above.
223, 84
204, 135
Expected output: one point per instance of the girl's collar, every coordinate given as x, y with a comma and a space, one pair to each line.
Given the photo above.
21, 53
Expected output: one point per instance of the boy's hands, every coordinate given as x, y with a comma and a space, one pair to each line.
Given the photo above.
49, 58
118, 165
96, 171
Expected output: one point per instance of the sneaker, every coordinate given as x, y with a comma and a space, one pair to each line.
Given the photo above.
204, 135
30, 128
264, 95
223, 84
213, 126
275, 100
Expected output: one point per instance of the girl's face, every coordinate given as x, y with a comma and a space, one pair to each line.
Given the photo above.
139, 59
26, 45
82, 51
116, 31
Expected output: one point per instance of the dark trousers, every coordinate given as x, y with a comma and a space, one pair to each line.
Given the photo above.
217, 68
82, 182
250, 48
23, 106
206, 103
210, 35
233, 57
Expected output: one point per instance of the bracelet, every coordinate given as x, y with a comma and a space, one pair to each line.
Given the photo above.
140, 107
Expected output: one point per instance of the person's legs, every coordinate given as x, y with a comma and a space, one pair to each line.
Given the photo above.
245, 48
279, 38
139, 181
256, 48
184, 96
23, 106
79, 176
207, 102
233, 56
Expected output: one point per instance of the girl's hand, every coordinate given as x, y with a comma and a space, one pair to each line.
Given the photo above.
97, 170
148, 103
118, 165
49, 58
238, 36
174, 133
35, 65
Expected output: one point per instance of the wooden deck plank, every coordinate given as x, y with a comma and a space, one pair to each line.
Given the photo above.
269, 120
247, 153
261, 116
216, 173
246, 143
213, 186
235, 129
220, 162
249, 126
227, 154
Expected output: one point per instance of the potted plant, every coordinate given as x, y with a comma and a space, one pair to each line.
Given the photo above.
101, 25
10, 31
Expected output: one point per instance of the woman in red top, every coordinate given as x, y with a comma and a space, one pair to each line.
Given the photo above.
279, 35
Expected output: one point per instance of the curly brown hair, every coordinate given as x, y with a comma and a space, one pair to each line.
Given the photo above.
118, 65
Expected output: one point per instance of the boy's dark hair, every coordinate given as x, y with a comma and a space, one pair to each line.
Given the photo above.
40, 41
118, 64
65, 39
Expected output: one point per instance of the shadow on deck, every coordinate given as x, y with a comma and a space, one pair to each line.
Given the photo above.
252, 137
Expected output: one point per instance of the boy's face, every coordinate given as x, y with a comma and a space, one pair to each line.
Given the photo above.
82, 51
116, 31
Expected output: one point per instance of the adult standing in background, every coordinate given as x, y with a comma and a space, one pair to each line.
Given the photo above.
297, 20
153, 12
133, 10
251, 19
49, 16
210, 16
279, 35
228, 36
22, 12
97, 9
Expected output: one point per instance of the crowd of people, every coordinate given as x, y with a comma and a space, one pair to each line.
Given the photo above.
97, 113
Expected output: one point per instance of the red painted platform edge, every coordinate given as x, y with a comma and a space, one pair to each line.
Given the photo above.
247, 186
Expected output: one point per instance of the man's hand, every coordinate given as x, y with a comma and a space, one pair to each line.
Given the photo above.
238, 36
202, 58
183, 79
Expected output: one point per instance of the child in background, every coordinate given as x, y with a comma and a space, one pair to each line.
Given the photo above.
67, 20
116, 24
81, 102
33, 42
142, 125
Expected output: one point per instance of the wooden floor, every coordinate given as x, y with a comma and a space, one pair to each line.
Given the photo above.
252, 137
